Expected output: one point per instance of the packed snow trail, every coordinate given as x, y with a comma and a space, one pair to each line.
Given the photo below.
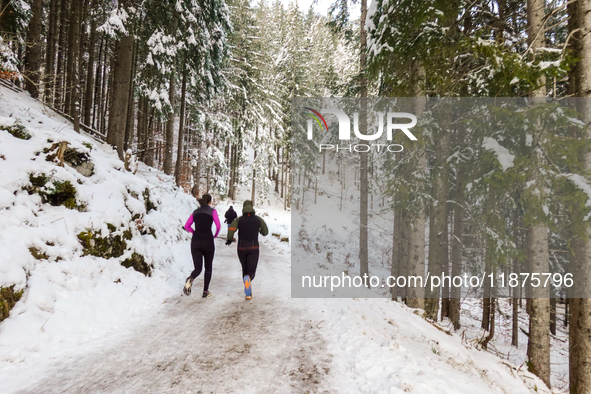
275, 344
218, 344
88, 324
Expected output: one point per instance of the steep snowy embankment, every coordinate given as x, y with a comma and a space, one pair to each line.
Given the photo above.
70, 295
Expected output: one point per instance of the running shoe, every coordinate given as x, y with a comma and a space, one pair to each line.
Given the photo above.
247, 289
187, 287
206, 294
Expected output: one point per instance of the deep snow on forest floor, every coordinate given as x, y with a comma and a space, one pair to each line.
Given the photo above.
88, 324
330, 228
500, 345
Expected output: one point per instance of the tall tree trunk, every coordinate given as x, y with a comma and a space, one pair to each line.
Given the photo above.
438, 245
88, 92
456, 248
61, 54
129, 126
52, 31
415, 295
142, 127
486, 297
416, 229
120, 89
516, 291
397, 248
287, 174
140, 131
491, 332
197, 171
237, 149
553, 314
363, 187
34, 57
283, 168
150, 146
207, 170
107, 95
254, 171
580, 321
147, 128
170, 129
445, 285
179, 155
403, 269
515, 323
538, 347
277, 154
231, 148
438, 240
288, 180
100, 71
73, 64
71, 70
81, 60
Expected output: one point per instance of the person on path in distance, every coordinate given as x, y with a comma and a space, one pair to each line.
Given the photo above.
248, 226
202, 247
230, 216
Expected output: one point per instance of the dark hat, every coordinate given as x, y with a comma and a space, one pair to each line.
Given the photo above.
247, 207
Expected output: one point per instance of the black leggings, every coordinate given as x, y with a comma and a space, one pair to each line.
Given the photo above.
249, 258
202, 252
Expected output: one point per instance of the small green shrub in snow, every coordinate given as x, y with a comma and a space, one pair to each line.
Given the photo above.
37, 253
149, 204
17, 130
54, 192
138, 263
61, 193
106, 247
75, 158
38, 181
59, 153
8, 298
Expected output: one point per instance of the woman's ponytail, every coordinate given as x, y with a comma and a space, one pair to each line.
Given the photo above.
204, 200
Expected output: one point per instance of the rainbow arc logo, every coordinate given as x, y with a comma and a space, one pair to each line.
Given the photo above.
315, 115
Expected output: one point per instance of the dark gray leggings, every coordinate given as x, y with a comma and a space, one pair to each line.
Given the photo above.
249, 259
202, 252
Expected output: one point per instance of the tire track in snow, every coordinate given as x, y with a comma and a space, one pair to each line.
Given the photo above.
220, 344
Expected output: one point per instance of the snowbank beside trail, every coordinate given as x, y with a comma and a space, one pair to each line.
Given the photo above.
501, 343
70, 298
385, 347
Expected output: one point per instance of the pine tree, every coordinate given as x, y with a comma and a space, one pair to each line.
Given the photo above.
123, 57
537, 231
14, 21
33, 56
363, 164
580, 321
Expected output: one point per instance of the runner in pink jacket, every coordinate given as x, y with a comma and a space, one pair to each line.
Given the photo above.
202, 246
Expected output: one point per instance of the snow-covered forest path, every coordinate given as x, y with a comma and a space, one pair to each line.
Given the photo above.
219, 344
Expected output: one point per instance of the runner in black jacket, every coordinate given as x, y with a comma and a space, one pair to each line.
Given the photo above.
230, 216
202, 247
248, 226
